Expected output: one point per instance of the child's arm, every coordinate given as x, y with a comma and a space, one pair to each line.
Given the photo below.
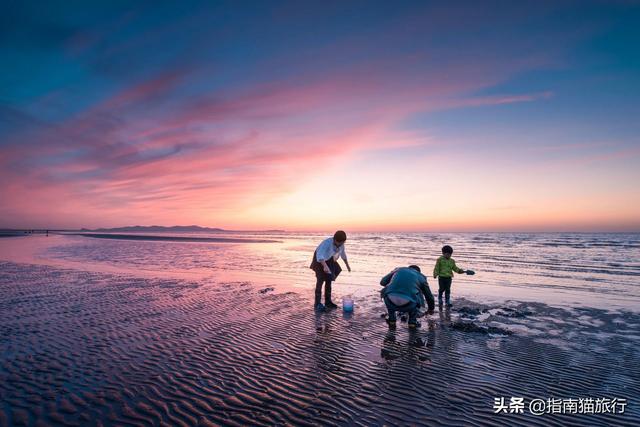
457, 269
436, 269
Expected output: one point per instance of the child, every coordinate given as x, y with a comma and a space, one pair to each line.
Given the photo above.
326, 267
445, 266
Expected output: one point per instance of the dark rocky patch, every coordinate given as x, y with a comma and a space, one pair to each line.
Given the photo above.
516, 314
473, 327
468, 311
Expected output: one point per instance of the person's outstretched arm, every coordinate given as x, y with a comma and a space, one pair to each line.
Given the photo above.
456, 268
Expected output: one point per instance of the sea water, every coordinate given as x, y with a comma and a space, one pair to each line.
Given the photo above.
592, 269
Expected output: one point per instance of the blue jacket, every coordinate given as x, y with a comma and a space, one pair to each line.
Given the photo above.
408, 283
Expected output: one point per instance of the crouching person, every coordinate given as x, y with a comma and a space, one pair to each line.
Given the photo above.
405, 290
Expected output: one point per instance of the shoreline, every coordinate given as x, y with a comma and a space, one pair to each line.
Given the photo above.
158, 238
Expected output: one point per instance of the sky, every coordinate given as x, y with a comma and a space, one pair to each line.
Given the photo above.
359, 115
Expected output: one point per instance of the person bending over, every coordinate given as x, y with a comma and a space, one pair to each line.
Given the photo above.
326, 267
406, 290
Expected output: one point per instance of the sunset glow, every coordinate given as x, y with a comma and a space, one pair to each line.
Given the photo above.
301, 117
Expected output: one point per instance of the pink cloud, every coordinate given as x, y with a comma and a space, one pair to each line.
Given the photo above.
128, 155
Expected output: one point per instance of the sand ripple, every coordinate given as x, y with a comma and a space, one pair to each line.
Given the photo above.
86, 348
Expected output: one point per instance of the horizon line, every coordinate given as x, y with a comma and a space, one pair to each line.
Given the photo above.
635, 231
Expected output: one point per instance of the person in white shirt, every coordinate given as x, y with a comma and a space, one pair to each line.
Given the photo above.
326, 267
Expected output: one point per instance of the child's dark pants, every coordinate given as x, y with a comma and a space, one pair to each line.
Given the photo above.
444, 286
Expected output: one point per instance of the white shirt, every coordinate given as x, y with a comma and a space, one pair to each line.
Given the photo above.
327, 249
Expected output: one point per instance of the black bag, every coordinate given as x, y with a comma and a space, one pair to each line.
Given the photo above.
319, 270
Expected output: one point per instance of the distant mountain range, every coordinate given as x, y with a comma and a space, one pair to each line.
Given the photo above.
173, 229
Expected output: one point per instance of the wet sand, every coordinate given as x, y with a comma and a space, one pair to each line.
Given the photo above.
94, 348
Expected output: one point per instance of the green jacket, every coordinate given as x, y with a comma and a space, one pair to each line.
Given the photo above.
445, 267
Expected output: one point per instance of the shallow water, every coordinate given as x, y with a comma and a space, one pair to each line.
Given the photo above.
595, 270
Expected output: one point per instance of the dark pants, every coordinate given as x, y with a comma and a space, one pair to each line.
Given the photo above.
411, 308
327, 279
444, 286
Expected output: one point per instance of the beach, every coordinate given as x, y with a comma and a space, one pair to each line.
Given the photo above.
88, 337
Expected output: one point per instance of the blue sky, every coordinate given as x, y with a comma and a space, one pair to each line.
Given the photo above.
226, 115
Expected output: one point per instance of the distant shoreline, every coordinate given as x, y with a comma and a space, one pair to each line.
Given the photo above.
171, 229
148, 237
17, 233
